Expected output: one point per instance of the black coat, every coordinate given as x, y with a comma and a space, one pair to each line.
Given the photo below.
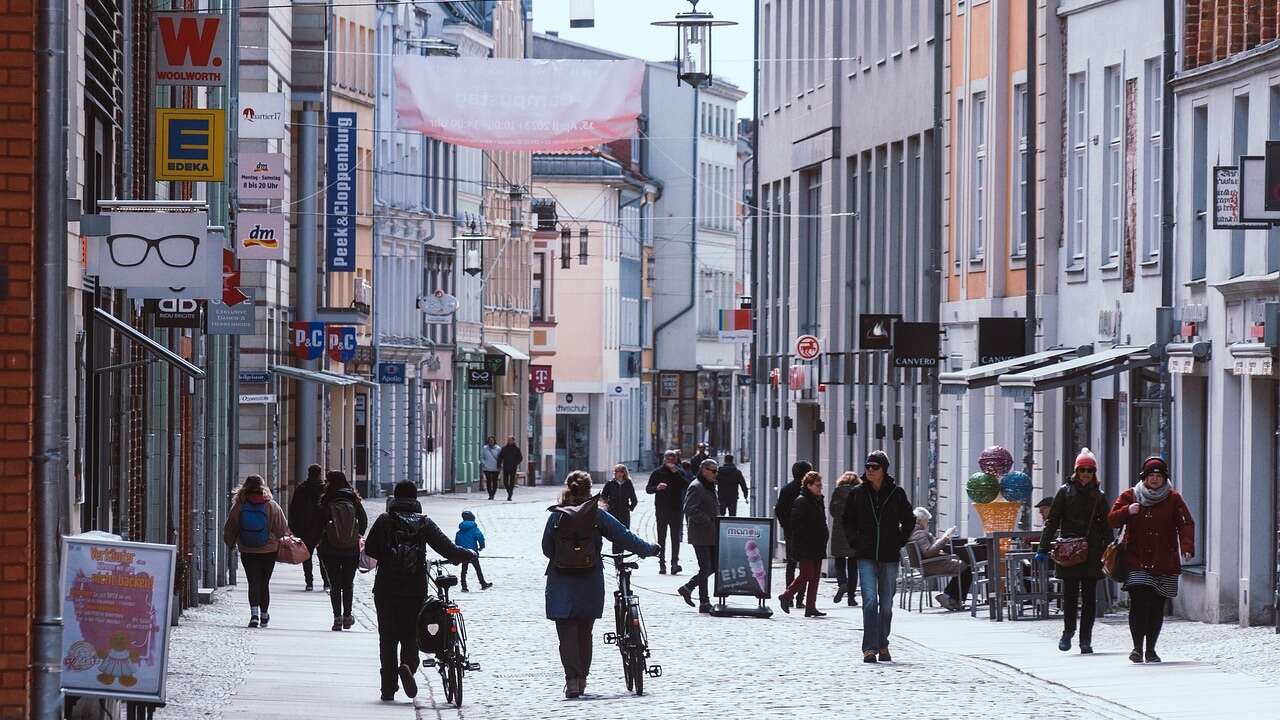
305, 520
1079, 512
782, 509
621, 498
407, 514
510, 457
878, 524
728, 480
667, 504
700, 512
809, 534
839, 498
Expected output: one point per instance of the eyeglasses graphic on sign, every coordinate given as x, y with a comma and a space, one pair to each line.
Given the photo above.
176, 251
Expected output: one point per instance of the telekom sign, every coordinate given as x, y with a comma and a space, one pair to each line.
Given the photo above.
190, 48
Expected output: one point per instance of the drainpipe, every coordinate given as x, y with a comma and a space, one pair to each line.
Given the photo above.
50, 430
933, 293
1029, 403
1166, 225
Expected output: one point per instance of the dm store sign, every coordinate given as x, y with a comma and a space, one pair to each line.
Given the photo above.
260, 236
261, 176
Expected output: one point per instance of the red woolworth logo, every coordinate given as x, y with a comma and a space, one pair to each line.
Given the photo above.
189, 48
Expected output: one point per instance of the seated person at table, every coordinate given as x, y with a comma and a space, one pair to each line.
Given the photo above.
1043, 506
936, 559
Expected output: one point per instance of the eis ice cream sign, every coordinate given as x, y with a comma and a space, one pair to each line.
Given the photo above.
745, 554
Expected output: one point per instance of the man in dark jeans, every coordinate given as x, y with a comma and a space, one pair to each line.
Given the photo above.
306, 523
509, 458
700, 513
782, 510
728, 480
398, 541
666, 485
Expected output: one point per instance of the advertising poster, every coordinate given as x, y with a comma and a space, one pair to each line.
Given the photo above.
340, 199
745, 555
115, 617
261, 175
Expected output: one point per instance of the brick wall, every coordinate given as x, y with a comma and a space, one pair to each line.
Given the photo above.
1217, 29
17, 178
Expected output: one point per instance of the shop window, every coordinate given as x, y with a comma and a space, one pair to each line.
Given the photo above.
1076, 423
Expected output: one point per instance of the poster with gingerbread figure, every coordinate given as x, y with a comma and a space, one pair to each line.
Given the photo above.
116, 600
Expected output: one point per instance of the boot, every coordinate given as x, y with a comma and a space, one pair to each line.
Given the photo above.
814, 612
662, 566
1064, 644
841, 589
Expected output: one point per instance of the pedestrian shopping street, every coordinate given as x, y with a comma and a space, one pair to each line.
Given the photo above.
945, 665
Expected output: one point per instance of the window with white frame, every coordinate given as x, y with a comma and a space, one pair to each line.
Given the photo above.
1112, 166
1153, 87
1077, 133
1018, 246
978, 161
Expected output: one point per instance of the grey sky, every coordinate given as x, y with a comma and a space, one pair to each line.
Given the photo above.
623, 26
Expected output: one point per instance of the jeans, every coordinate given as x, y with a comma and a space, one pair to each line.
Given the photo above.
1146, 615
306, 564
491, 482
706, 568
807, 581
397, 636
479, 572
342, 575
1073, 589
847, 575
729, 506
677, 533
509, 481
575, 646
879, 584
257, 571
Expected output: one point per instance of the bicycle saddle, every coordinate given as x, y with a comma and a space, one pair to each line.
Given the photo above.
447, 581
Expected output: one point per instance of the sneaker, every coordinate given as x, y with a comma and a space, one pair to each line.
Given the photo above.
326, 587
348, 622
308, 588
784, 601
1064, 644
253, 621
885, 656
485, 586
1135, 656
407, 681
265, 619
868, 656
687, 594
337, 624
1152, 657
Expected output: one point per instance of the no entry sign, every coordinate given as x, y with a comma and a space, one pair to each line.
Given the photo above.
808, 347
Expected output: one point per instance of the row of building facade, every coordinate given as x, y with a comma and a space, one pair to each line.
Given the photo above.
893, 178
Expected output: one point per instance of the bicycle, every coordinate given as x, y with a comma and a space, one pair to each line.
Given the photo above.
630, 635
451, 661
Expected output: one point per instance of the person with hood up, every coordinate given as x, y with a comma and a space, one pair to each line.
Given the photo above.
807, 544
398, 541
304, 522
782, 511
666, 485
1079, 510
470, 538
700, 514
728, 481
846, 563
878, 521
254, 526
344, 524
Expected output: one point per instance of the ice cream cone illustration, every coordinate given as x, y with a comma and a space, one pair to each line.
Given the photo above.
756, 561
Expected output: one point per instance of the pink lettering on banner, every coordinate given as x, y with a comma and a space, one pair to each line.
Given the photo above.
510, 104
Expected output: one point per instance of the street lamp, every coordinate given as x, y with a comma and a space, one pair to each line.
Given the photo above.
470, 241
693, 44
582, 246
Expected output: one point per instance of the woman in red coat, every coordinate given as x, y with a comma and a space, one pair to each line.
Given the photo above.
1157, 525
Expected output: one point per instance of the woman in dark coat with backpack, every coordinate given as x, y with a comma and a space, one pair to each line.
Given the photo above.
344, 521
254, 525
575, 597
1079, 510
809, 536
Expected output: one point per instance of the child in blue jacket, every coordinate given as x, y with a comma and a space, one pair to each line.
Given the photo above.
470, 537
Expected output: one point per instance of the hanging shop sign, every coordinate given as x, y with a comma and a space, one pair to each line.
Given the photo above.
190, 145
540, 379
496, 364
668, 386
916, 344
875, 332
570, 404
156, 250
744, 552
616, 390
438, 307
189, 48
808, 347
1226, 200
261, 175
116, 599
390, 373
173, 312
518, 104
340, 195
1001, 339
479, 378
260, 236
341, 342
261, 115
308, 340
225, 319
735, 326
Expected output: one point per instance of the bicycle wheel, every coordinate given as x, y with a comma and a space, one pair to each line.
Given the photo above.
627, 673
455, 675
636, 661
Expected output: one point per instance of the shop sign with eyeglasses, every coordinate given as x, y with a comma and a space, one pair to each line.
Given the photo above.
156, 250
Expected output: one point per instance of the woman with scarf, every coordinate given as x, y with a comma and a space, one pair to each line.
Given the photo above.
1157, 524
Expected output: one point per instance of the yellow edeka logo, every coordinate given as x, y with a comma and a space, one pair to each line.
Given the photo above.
189, 144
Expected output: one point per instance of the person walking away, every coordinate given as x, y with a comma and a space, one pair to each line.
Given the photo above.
254, 525
571, 542
809, 536
344, 523
469, 537
1079, 510
877, 522
667, 485
1157, 524
398, 541
695, 462
728, 481
846, 564
782, 511
489, 453
700, 512
305, 522
937, 559
509, 459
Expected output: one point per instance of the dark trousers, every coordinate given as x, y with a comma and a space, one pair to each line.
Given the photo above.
729, 506
397, 636
1075, 590
676, 527
575, 646
306, 564
257, 572
706, 568
807, 582
791, 570
479, 572
1146, 615
342, 576
847, 575
959, 586
491, 482
509, 481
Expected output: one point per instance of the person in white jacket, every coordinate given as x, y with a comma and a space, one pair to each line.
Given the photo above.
489, 464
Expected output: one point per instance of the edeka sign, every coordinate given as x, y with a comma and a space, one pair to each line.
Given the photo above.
261, 175
260, 236
189, 145
308, 339
744, 552
341, 341
189, 48
340, 199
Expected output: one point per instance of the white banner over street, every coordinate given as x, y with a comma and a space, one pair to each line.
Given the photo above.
528, 105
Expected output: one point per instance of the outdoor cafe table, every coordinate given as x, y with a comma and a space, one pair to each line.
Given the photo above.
996, 571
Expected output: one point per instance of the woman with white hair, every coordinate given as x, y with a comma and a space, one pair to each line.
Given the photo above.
936, 559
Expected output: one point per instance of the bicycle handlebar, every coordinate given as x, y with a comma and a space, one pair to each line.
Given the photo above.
619, 556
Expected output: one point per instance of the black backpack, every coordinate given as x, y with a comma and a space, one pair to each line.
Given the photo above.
406, 555
576, 536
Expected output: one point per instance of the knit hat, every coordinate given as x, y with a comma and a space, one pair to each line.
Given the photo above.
468, 515
1086, 459
405, 490
1154, 464
878, 457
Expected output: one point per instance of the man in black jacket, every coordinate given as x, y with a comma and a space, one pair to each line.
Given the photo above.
306, 523
728, 480
782, 510
700, 514
509, 459
667, 485
398, 541
878, 520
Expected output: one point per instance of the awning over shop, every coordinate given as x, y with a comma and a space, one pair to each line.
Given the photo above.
719, 368
323, 378
354, 379
507, 350
1069, 372
956, 383
160, 351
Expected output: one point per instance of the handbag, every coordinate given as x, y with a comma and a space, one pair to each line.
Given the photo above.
366, 563
1114, 562
292, 550
1067, 552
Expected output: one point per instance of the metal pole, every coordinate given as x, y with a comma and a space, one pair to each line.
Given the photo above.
754, 209
1029, 402
413, 451
50, 431
1166, 225
308, 405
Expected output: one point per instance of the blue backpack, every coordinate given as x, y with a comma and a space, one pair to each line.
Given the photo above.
254, 525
